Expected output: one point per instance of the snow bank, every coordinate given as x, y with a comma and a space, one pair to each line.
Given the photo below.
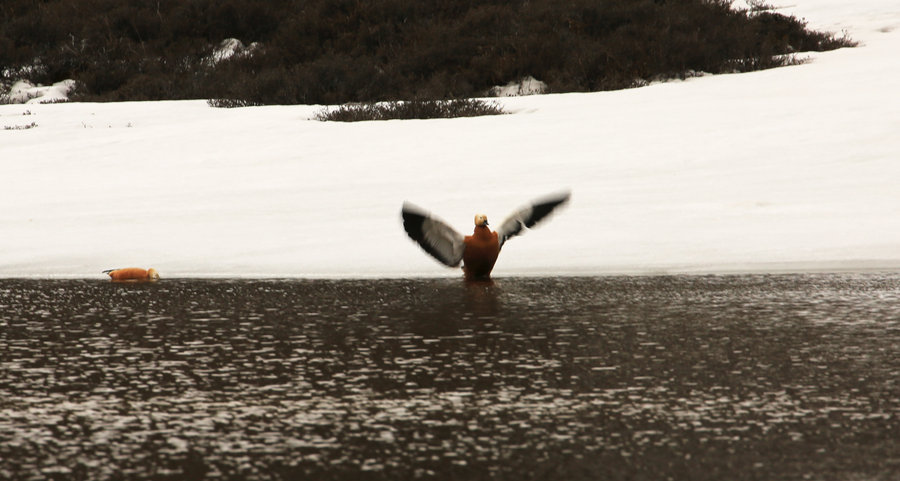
527, 86
788, 169
231, 47
24, 92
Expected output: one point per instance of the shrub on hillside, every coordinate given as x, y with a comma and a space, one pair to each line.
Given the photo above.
337, 51
231, 103
414, 109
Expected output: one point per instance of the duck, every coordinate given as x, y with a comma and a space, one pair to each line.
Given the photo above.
132, 274
477, 252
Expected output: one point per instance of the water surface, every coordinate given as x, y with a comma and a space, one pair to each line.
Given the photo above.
640, 378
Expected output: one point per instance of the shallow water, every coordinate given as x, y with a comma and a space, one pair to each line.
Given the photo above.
643, 378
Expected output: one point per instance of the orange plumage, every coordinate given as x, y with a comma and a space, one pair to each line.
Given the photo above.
134, 274
480, 254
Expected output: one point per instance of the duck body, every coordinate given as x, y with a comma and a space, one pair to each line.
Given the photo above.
481, 252
132, 274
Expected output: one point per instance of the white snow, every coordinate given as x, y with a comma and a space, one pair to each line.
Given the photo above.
527, 86
228, 48
23, 92
790, 169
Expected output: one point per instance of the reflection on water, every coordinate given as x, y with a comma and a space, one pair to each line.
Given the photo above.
649, 378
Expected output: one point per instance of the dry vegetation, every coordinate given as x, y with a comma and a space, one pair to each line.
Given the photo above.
337, 51
412, 109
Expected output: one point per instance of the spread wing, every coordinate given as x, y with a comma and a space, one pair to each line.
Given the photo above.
530, 215
433, 234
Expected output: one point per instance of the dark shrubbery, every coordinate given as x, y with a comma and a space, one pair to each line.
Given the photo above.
231, 103
20, 127
337, 51
414, 109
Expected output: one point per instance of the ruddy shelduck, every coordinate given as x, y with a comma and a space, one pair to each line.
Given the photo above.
478, 252
132, 274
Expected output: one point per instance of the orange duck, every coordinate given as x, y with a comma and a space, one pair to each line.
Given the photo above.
133, 274
478, 252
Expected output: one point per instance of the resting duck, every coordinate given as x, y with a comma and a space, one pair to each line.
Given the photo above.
478, 252
134, 274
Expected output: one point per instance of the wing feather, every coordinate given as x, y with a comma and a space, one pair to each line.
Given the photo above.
531, 214
434, 235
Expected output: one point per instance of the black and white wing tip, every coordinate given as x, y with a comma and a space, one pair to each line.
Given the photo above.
531, 214
434, 235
